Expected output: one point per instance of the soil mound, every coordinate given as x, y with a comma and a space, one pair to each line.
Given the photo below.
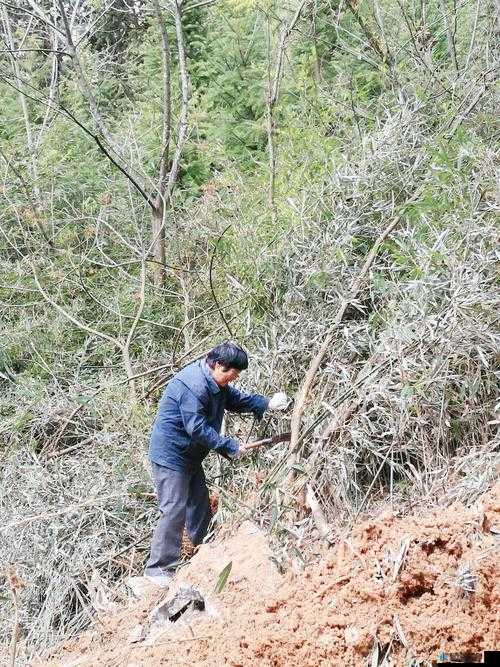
401, 590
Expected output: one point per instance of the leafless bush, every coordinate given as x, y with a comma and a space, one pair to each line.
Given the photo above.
404, 405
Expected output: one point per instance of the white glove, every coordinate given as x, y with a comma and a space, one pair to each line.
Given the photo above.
279, 401
242, 450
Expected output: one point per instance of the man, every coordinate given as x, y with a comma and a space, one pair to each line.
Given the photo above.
186, 429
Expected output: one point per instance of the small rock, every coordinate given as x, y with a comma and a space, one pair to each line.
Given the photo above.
140, 586
360, 641
136, 634
250, 528
351, 635
186, 598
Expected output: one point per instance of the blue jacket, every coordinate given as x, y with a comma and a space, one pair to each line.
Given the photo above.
189, 418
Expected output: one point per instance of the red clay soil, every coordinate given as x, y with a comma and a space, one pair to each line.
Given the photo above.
406, 587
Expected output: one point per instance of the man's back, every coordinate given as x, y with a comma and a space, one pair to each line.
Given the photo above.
191, 393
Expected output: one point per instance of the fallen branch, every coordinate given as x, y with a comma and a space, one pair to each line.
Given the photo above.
69, 449
15, 584
66, 510
317, 514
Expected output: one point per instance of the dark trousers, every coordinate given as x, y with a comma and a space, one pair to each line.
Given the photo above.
183, 500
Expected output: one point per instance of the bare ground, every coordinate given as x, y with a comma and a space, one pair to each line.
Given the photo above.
404, 587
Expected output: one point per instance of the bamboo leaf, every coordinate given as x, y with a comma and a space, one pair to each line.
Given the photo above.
223, 577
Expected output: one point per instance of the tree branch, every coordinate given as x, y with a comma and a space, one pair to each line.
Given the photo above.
61, 109
272, 96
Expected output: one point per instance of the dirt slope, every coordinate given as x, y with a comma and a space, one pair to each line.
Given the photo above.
406, 587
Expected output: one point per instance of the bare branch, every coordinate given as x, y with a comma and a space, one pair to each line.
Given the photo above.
61, 109
36, 14
450, 40
74, 320
368, 30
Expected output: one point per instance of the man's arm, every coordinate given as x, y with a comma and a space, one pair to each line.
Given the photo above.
239, 401
193, 413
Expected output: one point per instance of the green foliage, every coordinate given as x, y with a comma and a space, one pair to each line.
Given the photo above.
223, 577
354, 139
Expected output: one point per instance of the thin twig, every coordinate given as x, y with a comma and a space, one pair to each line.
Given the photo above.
67, 510
212, 289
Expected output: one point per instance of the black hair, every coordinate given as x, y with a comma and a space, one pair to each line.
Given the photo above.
229, 355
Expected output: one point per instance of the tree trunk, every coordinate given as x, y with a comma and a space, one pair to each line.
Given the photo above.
127, 364
158, 250
272, 97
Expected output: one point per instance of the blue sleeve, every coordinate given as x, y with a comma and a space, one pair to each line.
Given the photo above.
239, 401
193, 414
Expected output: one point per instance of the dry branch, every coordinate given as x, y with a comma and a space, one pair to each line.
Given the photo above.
370, 35
274, 83
15, 585
66, 510
317, 513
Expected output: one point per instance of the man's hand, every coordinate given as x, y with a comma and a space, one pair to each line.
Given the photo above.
244, 449
279, 401
234, 452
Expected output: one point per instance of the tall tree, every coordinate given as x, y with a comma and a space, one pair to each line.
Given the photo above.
69, 25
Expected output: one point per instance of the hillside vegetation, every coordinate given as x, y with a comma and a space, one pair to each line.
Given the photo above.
316, 180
